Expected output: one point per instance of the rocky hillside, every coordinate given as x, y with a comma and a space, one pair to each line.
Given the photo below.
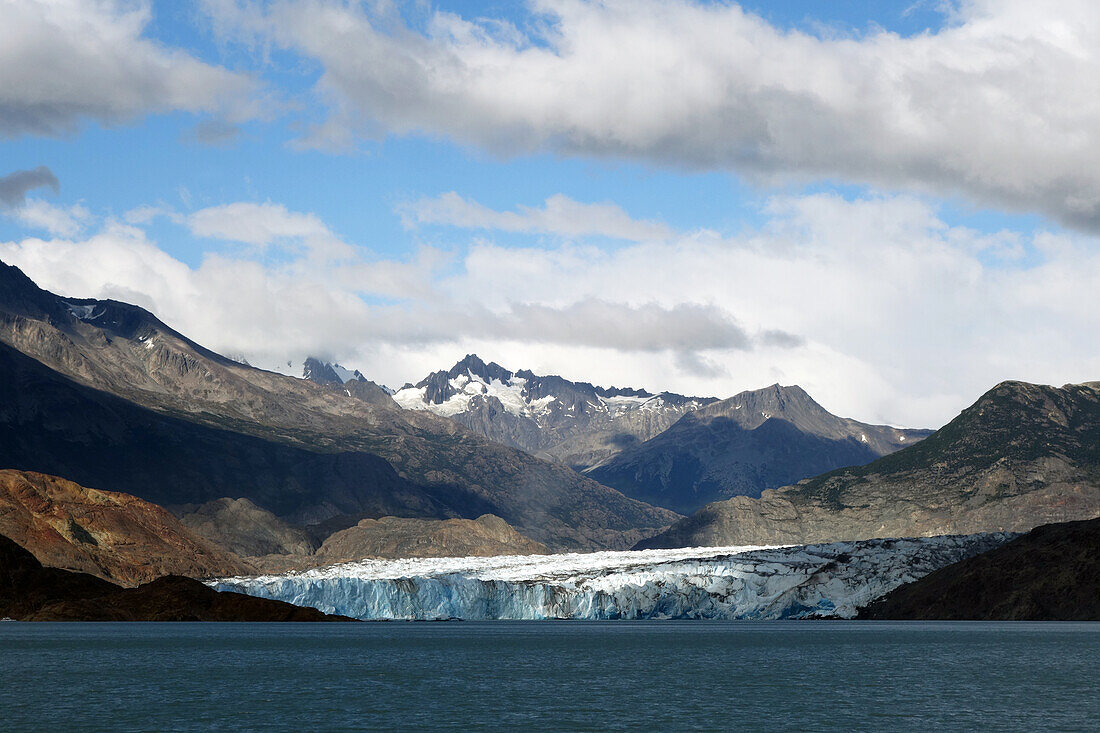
575, 423
395, 537
110, 535
30, 592
105, 394
1050, 574
1021, 456
241, 527
755, 440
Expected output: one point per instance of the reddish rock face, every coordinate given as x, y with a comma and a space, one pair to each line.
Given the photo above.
107, 534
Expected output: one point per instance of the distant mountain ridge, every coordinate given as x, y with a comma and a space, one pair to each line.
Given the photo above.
1022, 455
575, 423
106, 394
740, 446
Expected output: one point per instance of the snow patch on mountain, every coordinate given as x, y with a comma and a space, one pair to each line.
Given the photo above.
511, 395
827, 580
85, 312
514, 395
346, 375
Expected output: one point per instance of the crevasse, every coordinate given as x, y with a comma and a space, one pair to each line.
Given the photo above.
807, 581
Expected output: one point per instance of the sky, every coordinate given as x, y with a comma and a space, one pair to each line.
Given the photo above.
894, 205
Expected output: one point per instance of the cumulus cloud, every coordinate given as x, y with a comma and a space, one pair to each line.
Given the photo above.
14, 186
263, 225
876, 306
1001, 105
63, 221
64, 61
560, 215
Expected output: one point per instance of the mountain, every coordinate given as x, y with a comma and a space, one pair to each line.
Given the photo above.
740, 446
113, 536
52, 424
322, 372
30, 592
1021, 456
105, 394
1050, 574
575, 423
352, 383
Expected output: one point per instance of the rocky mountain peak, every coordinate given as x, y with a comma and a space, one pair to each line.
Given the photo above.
15, 282
472, 364
577, 423
352, 383
323, 372
751, 408
437, 385
755, 440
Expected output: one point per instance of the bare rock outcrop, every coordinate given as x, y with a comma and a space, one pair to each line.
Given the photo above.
107, 534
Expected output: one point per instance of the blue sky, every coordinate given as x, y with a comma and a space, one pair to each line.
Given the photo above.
910, 206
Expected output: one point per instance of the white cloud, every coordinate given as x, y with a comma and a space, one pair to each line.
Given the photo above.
560, 215
64, 61
876, 306
62, 221
263, 225
1002, 104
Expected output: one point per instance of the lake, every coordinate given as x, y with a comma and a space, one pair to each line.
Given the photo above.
660, 675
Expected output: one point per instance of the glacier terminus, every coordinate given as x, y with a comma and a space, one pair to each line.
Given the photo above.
811, 581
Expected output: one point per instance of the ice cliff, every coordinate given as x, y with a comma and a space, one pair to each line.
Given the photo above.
702, 582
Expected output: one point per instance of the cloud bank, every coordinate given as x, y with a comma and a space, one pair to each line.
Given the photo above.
875, 305
66, 61
560, 215
1002, 105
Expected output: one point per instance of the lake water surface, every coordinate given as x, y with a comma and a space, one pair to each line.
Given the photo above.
662, 675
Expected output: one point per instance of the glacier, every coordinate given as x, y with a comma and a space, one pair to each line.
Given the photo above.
809, 581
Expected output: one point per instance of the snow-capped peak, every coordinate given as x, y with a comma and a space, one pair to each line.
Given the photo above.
523, 393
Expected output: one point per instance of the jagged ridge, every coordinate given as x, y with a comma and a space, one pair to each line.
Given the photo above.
755, 440
576, 423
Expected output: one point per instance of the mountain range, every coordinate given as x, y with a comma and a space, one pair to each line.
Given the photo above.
1023, 455
270, 472
755, 440
105, 394
665, 449
574, 423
